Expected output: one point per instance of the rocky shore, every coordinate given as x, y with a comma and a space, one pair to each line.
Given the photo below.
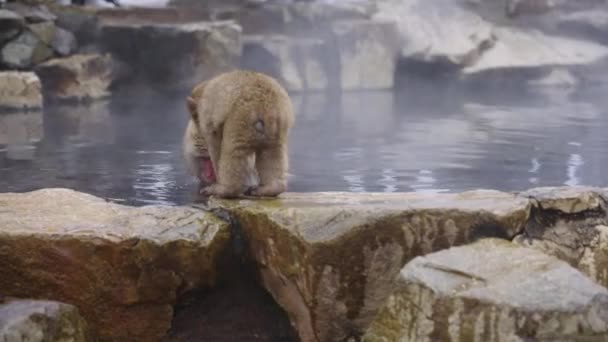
81, 53
473, 266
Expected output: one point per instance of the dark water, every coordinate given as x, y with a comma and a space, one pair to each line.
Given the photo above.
415, 139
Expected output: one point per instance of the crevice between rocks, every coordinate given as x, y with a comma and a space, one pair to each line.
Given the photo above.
565, 235
237, 308
541, 220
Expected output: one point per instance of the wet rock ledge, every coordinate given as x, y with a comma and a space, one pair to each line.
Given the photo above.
123, 267
472, 266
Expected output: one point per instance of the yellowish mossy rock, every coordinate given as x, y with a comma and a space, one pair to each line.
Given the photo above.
123, 267
492, 290
330, 259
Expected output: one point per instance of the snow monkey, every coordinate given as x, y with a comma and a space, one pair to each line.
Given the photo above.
236, 139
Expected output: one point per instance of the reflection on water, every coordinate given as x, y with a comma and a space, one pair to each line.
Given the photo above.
128, 149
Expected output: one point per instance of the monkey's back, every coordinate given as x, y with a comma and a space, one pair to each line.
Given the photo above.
240, 99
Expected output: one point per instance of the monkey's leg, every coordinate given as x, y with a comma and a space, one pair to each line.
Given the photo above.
214, 148
272, 164
233, 173
233, 155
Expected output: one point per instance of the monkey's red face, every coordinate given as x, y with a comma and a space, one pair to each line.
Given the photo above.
207, 174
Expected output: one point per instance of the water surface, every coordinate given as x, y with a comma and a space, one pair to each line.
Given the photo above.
414, 139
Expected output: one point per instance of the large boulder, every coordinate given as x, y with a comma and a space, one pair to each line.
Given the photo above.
123, 267
19, 90
300, 64
300, 17
487, 42
368, 51
41, 320
590, 23
79, 77
354, 55
492, 290
330, 259
174, 55
532, 50
440, 32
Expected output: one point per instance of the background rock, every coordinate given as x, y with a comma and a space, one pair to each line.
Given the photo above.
300, 64
36, 14
76, 78
526, 50
123, 267
489, 290
24, 51
39, 320
368, 53
20, 90
82, 21
11, 25
438, 32
64, 42
45, 31
174, 55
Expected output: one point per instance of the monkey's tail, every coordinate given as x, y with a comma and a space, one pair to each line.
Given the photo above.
266, 127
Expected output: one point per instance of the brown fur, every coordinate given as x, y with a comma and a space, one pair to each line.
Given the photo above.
245, 118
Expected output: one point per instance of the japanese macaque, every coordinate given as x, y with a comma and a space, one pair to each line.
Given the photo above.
236, 140
196, 152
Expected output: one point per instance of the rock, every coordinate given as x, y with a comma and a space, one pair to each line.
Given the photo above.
531, 49
11, 25
300, 64
24, 51
45, 31
515, 8
329, 259
82, 21
558, 77
491, 290
64, 42
570, 223
76, 78
123, 267
19, 90
287, 17
21, 128
567, 200
588, 24
41, 320
439, 32
174, 55
31, 14
362, 55
368, 53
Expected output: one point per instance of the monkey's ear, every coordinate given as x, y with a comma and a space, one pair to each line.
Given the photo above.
191, 104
